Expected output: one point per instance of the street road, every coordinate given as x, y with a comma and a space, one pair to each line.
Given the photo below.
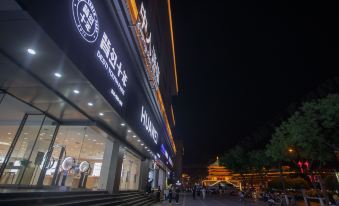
215, 200
212, 200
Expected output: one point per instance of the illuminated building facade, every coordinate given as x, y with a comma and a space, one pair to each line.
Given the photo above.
86, 88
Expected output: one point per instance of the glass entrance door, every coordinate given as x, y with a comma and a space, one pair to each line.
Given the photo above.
29, 150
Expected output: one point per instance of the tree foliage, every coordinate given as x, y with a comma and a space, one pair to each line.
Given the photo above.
259, 161
236, 160
312, 133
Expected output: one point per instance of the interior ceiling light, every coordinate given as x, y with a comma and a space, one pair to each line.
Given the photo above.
134, 136
101, 114
142, 144
57, 74
129, 131
76, 91
90, 104
31, 51
122, 124
138, 140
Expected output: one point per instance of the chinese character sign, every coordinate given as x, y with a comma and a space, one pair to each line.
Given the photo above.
148, 47
86, 19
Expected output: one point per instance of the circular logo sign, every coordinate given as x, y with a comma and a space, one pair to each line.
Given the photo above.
86, 19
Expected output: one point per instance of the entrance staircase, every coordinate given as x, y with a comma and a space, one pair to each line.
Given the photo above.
93, 198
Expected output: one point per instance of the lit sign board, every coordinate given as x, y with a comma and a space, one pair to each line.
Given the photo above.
148, 125
170, 161
90, 36
113, 67
86, 20
148, 48
164, 151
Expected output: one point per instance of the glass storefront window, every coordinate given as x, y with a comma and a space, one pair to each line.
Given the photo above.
11, 113
130, 172
86, 147
24, 163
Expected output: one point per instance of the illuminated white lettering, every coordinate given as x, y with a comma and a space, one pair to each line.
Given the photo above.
146, 121
148, 47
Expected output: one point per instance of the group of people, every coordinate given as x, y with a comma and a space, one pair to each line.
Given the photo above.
171, 193
197, 189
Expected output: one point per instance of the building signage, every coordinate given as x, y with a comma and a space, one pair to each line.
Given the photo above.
170, 161
87, 23
148, 48
113, 67
148, 125
164, 151
89, 34
86, 19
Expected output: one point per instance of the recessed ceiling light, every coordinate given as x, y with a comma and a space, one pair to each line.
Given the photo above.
31, 51
142, 144
57, 74
9, 133
122, 124
148, 150
134, 136
138, 140
90, 104
129, 131
76, 91
145, 147
101, 114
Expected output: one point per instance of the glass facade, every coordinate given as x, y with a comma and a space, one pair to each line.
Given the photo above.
86, 147
130, 172
28, 137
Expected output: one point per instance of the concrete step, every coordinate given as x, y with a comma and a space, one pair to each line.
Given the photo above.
98, 198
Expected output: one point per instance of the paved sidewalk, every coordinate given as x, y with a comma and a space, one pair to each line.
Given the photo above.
212, 200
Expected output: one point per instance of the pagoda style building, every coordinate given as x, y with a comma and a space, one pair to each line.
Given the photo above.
218, 174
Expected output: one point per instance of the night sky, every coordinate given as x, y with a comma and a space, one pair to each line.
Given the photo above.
242, 62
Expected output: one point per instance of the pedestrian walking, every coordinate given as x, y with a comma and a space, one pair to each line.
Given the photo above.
220, 189
166, 191
241, 195
203, 192
158, 194
194, 191
170, 195
177, 192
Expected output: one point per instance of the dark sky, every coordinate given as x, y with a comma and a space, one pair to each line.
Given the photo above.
242, 62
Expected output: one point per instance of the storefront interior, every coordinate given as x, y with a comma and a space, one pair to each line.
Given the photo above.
77, 151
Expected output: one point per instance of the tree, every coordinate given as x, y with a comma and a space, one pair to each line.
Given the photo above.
236, 160
260, 163
311, 133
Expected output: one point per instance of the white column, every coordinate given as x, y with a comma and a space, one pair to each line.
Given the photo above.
110, 166
104, 173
